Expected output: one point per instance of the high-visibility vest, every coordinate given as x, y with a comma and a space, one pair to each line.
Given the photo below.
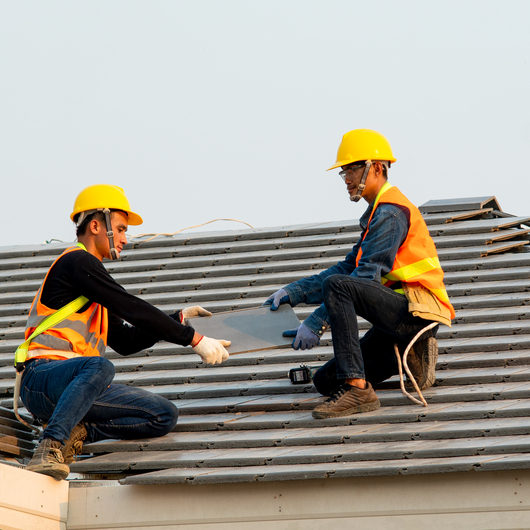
416, 260
80, 334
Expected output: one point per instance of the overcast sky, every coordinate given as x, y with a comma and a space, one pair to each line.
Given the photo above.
209, 109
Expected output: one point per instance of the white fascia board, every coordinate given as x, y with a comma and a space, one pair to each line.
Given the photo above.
472, 500
29, 500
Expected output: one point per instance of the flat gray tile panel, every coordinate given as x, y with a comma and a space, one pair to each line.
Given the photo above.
236, 388
512, 327
450, 217
249, 330
480, 276
16, 440
490, 301
466, 240
483, 359
483, 375
397, 414
346, 434
492, 262
479, 392
497, 314
509, 342
479, 226
450, 205
338, 470
479, 251
486, 288
420, 449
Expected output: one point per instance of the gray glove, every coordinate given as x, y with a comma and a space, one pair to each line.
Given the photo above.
276, 299
305, 338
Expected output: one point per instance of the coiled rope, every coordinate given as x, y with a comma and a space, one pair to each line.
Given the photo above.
407, 370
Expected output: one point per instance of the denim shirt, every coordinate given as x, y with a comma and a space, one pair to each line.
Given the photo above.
388, 230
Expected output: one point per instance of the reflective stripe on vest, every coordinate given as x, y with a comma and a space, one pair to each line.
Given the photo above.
416, 260
39, 353
80, 334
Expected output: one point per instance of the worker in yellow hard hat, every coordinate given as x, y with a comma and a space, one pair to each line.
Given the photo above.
392, 278
103, 198
65, 381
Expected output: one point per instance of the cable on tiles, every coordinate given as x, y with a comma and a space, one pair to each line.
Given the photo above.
187, 228
411, 377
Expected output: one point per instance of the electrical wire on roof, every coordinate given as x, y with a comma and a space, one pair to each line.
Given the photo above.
187, 228
48, 241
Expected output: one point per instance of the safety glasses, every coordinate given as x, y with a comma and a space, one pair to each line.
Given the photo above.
349, 172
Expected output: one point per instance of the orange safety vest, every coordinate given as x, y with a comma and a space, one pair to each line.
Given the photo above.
81, 334
416, 260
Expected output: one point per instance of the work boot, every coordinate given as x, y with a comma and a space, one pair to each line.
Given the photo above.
347, 400
48, 460
421, 361
74, 445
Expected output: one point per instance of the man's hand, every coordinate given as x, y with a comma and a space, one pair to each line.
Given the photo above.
305, 339
212, 351
193, 311
276, 299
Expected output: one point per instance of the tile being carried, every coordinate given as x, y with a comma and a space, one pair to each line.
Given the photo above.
249, 329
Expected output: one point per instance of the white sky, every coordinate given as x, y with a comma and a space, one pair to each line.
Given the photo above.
235, 108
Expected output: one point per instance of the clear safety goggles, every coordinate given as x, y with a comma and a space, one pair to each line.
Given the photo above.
349, 172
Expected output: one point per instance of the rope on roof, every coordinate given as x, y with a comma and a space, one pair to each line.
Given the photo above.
187, 228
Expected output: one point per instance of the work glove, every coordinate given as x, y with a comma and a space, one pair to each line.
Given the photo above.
193, 311
276, 299
212, 351
305, 339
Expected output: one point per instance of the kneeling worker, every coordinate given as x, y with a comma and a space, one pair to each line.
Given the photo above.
392, 278
66, 384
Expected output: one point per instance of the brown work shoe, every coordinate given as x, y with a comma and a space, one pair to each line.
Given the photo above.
347, 400
48, 460
74, 445
421, 361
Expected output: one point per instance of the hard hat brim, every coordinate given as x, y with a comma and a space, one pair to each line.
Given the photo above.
347, 162
340, 164
135, 219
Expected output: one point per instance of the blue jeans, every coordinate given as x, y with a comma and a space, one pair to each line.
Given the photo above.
372, 357
63, 393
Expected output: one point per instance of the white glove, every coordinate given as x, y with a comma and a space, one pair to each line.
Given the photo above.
193, 311
212, 351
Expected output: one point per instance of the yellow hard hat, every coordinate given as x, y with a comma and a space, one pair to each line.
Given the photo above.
362, 144
101, 196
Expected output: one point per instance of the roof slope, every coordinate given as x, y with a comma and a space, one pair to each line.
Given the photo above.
245, 421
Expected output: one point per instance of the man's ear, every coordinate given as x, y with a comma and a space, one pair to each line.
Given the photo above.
378, 168
94, 226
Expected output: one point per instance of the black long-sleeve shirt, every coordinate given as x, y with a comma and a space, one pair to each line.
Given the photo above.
134, 324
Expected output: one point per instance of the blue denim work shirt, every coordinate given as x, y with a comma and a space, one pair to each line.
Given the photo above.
388, 229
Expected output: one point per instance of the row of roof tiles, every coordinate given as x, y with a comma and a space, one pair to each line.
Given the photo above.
245, 421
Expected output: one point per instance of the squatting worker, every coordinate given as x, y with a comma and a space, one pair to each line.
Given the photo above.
67, 384
392, 278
